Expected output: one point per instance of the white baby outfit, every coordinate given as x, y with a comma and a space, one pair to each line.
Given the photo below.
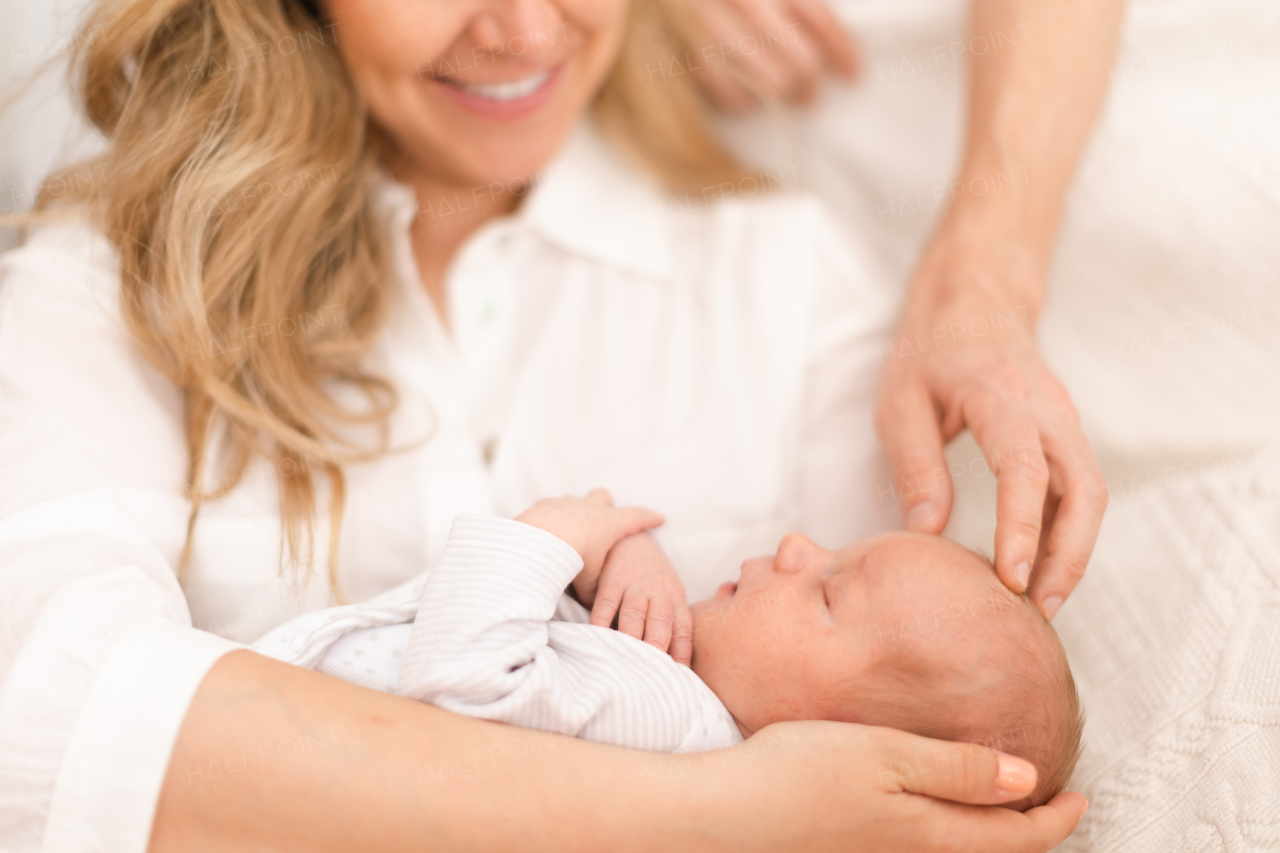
496, 637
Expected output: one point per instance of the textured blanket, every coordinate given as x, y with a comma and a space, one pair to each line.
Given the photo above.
1174, 638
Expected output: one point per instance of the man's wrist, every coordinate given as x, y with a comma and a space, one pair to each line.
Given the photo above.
981, 256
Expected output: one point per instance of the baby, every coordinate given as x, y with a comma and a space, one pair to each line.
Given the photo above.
903, 630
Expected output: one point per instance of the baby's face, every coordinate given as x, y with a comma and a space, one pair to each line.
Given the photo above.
849, 634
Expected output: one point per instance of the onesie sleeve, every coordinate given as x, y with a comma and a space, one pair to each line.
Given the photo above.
487, 643
480, 640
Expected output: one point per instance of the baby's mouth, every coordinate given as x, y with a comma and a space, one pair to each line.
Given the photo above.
727, 590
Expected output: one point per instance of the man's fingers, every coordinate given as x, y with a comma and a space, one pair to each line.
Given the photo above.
1001, 423
682, 636
632, 612
835, 42
1075, 527
731, 28
794, 58
908, 429
728, 94
659, 623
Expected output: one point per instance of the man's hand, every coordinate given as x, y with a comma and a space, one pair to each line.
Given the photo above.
965, 357
1031, 107
640, 585
773, 49
591, 526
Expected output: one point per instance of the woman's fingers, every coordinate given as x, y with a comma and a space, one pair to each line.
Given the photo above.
1057, 819
907, 425
1039, 829
964, 773
979, 776
682, 636
1076, 521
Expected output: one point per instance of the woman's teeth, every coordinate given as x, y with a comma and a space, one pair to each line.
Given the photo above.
505, 91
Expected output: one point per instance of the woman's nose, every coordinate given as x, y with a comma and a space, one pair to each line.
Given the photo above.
515, 28
794, 551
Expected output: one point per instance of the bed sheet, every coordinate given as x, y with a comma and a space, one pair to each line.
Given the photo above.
1174, 639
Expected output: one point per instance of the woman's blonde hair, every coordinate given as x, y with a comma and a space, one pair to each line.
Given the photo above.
254, 269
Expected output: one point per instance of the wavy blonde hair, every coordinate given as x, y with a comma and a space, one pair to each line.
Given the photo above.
208, 259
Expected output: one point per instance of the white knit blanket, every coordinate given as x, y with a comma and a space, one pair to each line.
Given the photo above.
1174, 638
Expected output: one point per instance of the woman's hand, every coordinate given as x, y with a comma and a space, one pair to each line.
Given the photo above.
639, 585
965, 357
838, 786
450, 783
773, 49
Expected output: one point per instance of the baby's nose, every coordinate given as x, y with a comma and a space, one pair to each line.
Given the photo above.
793, 552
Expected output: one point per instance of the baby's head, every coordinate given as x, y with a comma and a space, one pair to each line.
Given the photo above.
903, 630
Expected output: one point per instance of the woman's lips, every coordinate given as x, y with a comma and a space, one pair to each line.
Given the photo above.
509, 99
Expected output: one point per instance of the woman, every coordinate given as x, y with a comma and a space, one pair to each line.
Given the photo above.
288, 336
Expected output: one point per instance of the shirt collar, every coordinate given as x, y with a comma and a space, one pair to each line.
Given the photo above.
586, 202
590, 203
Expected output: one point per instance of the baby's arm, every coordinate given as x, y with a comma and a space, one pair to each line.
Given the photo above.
479, 644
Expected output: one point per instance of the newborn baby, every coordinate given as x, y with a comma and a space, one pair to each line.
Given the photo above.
903, 630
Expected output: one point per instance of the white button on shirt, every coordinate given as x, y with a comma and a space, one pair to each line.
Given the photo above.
717, 365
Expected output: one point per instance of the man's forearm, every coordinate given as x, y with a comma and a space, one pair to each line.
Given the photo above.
1036, 89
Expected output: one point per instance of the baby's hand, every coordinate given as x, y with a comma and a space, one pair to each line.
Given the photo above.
639, 579
590, 525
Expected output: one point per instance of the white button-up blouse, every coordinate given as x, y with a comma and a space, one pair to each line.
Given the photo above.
713, 359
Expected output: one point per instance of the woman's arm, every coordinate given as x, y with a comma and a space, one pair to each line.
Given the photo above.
974, 299
322, 765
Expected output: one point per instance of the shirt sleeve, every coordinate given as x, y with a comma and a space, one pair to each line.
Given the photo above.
98, 659
480, 640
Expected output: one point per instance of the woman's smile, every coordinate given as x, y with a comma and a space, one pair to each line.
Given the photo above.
475, 93
510, 99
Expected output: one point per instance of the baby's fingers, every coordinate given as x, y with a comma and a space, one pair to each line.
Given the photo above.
631, 615
635, 519
682, 636
608, 598
659, 623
